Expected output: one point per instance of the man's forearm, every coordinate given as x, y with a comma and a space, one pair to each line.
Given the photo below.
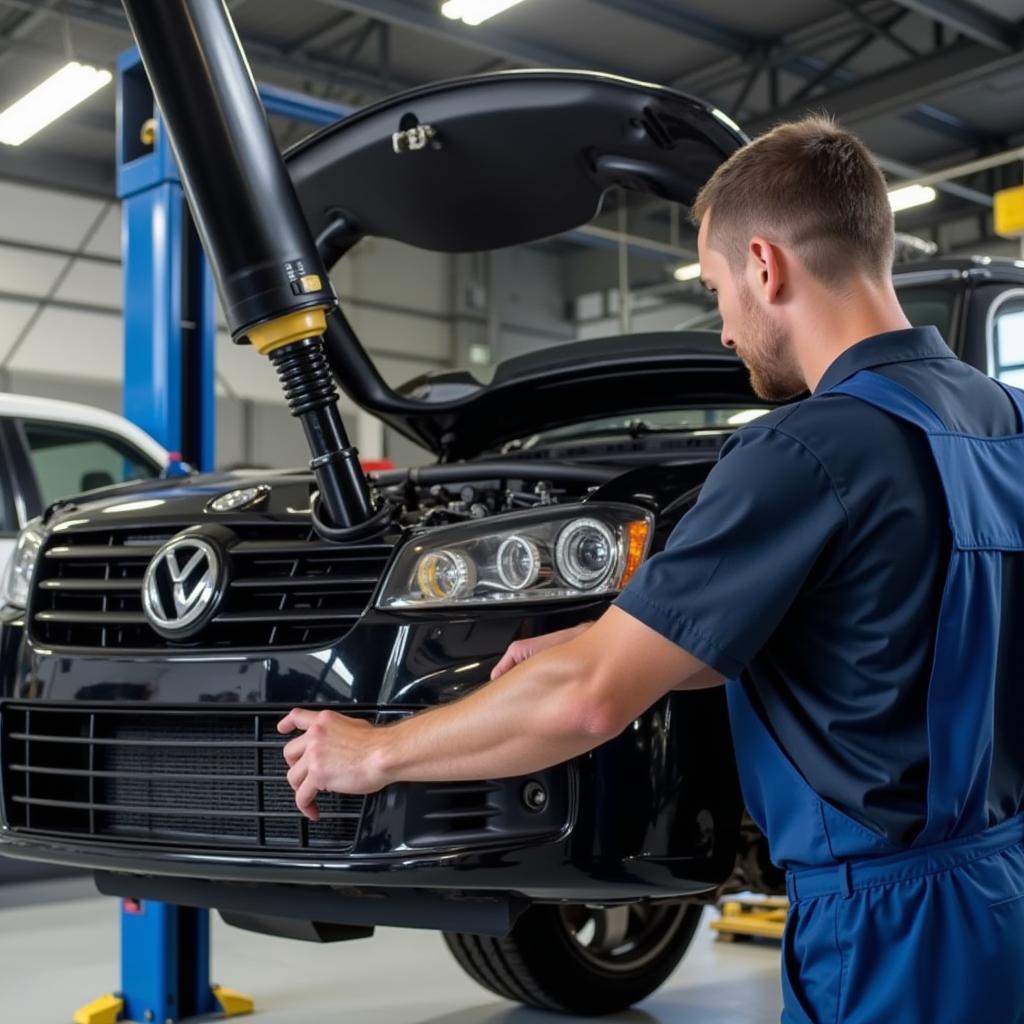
540, 713
556, 705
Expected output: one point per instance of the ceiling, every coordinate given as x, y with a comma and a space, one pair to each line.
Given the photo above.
927, 83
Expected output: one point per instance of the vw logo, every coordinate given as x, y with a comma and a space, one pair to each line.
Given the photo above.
182, 586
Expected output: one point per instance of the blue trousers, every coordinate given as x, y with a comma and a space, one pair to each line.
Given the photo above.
930, 936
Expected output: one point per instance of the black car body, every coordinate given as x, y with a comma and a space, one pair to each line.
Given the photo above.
150, 755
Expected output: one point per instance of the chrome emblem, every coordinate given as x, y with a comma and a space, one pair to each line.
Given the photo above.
181, 585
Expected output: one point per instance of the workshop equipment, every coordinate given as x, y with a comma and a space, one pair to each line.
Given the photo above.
272, 282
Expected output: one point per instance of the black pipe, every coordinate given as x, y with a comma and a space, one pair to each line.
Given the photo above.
242, 198
499, 469
271, 280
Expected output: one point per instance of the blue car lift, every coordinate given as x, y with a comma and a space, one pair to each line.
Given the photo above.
169, 360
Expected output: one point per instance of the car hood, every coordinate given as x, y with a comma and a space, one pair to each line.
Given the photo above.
568, 384
501, 160
184, 500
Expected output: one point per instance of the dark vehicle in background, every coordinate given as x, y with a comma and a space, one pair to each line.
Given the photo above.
153, 636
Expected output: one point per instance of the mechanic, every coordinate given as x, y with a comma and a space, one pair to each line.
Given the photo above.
854, 568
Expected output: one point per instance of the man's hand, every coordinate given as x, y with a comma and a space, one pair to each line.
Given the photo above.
520, 650
579, 692
333, 753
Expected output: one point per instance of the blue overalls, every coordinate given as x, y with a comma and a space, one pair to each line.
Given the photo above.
933, 933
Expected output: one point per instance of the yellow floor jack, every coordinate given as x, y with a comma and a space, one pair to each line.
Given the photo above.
165, 970
746, 918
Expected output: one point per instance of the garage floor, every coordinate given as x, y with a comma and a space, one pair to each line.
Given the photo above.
58, 954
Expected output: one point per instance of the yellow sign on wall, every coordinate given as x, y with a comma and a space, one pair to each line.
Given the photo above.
1008, 212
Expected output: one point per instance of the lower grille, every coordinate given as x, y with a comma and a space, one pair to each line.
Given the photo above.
214, 779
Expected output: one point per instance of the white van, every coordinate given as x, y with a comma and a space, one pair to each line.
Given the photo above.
51, 449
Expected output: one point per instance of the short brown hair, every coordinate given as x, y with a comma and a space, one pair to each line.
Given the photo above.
812, 186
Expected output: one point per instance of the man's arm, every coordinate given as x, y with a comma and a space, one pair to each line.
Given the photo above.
554, 706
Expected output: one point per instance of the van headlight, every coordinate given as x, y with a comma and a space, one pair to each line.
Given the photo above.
552, 554
21, 566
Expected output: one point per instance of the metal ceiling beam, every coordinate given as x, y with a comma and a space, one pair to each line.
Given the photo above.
835, 30
900, 89
429, 21
972, 21
299, 63
810, 68
24, 28
689, 24
952, 188
924, 114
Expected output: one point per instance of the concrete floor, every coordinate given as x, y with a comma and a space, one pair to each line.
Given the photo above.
58, 949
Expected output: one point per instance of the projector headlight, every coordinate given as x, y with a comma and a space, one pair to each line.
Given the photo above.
554, 554
21, 566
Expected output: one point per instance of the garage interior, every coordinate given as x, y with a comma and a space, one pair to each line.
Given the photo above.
934, 87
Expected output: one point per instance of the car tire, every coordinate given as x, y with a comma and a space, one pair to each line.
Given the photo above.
581, 959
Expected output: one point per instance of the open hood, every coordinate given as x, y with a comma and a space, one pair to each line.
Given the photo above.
458, 417
488, 162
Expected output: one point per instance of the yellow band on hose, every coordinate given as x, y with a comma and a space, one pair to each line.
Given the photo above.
306, 323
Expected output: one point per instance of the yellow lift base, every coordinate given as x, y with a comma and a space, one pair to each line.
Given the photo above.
110, 1009
762, 918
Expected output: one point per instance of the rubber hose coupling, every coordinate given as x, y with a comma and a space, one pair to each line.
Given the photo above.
312, 397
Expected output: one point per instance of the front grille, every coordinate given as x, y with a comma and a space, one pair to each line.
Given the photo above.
288, 589
214, 779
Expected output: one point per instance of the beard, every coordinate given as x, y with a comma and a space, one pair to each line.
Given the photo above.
767, 354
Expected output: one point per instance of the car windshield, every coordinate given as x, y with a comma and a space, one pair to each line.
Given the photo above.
639, 424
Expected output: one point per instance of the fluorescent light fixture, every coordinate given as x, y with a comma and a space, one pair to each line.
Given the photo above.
746, 416
910, 196
46, 102
475, 12
687, 272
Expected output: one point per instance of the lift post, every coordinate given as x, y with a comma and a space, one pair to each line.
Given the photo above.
165, 958
169, 305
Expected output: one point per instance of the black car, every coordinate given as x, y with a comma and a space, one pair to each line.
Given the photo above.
153, 636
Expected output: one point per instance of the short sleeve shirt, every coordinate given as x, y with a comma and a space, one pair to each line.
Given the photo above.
811, 568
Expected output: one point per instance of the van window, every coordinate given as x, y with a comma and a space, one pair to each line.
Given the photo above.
68, 459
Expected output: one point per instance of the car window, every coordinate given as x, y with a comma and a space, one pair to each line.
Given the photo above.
928, 305
68, 459
1007, 340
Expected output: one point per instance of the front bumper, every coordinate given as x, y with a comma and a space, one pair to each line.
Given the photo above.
653, 813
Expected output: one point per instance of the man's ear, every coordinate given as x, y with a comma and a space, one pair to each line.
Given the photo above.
768, 266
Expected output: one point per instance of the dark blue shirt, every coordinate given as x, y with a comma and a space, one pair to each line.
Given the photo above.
812, 568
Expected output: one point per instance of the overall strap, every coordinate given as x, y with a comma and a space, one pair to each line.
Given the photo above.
1017, 397
892, 398
984, 491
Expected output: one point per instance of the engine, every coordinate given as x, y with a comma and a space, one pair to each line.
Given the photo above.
447, 494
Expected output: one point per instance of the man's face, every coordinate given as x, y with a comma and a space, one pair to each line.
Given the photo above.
749, 327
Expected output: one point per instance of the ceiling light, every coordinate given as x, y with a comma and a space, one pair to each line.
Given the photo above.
910, 196
475, 12
46, 102
687, 272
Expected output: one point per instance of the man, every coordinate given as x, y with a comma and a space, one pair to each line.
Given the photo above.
854, 567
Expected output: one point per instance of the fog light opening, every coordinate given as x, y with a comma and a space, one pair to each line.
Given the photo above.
535, 796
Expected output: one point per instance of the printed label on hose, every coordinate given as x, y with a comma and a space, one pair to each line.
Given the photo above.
300, 282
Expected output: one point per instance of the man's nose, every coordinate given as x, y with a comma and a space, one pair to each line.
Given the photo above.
727, 340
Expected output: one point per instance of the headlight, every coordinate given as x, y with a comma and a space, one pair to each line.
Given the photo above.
549, 554
21, 566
